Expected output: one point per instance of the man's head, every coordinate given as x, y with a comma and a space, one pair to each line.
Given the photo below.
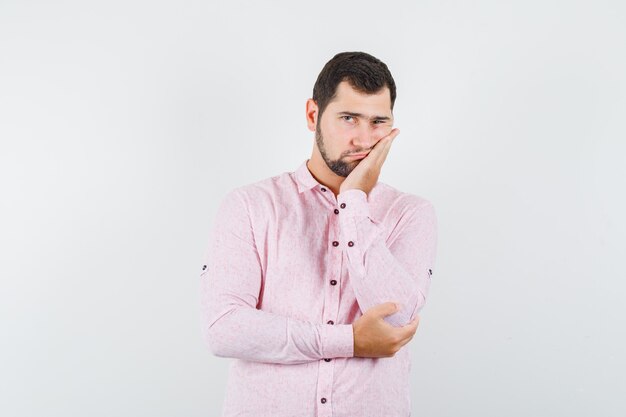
351, 108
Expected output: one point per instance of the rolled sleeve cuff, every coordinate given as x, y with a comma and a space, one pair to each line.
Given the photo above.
337, 340
356, 223
354, 204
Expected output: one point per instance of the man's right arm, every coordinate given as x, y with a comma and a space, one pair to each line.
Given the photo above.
230, 286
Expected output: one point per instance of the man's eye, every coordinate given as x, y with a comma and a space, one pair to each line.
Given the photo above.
345, 117
380, 121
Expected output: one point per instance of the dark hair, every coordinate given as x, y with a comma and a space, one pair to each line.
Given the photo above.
365, 73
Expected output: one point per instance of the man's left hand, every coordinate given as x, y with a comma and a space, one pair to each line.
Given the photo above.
365, 175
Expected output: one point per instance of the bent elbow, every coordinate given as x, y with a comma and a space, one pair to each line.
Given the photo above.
217, 338
215, 343
419, 305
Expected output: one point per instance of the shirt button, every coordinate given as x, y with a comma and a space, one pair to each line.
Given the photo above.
430, 272
336, 211
343, 205
335, 243
333, 282
323, 400
203, 267
323, 189
330, 322
327, 360
351, 243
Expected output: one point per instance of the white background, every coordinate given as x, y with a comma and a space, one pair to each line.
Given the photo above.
123, 123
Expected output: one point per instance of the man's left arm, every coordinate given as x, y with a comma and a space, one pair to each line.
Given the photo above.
396, 269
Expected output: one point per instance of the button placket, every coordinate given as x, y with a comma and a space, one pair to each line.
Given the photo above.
332, 307
326, 370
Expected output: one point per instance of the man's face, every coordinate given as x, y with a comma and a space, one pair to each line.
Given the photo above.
352, 124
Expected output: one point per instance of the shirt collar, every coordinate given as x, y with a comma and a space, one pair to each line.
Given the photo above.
305, 179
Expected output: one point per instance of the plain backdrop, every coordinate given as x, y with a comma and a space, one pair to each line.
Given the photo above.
123, 124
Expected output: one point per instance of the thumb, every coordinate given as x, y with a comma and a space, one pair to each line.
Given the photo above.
389, 308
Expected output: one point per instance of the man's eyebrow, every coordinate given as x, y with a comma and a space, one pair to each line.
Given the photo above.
349, 113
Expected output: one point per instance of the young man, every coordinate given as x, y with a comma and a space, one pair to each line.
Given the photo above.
313, 279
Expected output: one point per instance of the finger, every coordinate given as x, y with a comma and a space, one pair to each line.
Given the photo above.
409, 329
382, 156
386, 149
412, 326
378, 147
386, 140
378, 154
392, 135
406, 339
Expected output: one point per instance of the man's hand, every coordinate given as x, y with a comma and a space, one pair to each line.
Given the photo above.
375, 338
365, 175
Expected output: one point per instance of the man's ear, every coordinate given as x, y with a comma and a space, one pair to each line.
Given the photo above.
311, 114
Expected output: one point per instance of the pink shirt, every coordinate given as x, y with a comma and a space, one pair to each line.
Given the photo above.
288, 268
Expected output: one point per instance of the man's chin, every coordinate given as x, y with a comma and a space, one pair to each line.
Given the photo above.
346, 168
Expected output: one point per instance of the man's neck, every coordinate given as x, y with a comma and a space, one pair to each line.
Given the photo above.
320, 171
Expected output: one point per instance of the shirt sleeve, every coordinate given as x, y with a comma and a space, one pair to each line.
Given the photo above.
396, 269
230, 282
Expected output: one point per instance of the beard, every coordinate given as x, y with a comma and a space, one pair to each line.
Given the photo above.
338, 166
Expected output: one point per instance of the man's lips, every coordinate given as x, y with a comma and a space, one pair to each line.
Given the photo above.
358, 155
